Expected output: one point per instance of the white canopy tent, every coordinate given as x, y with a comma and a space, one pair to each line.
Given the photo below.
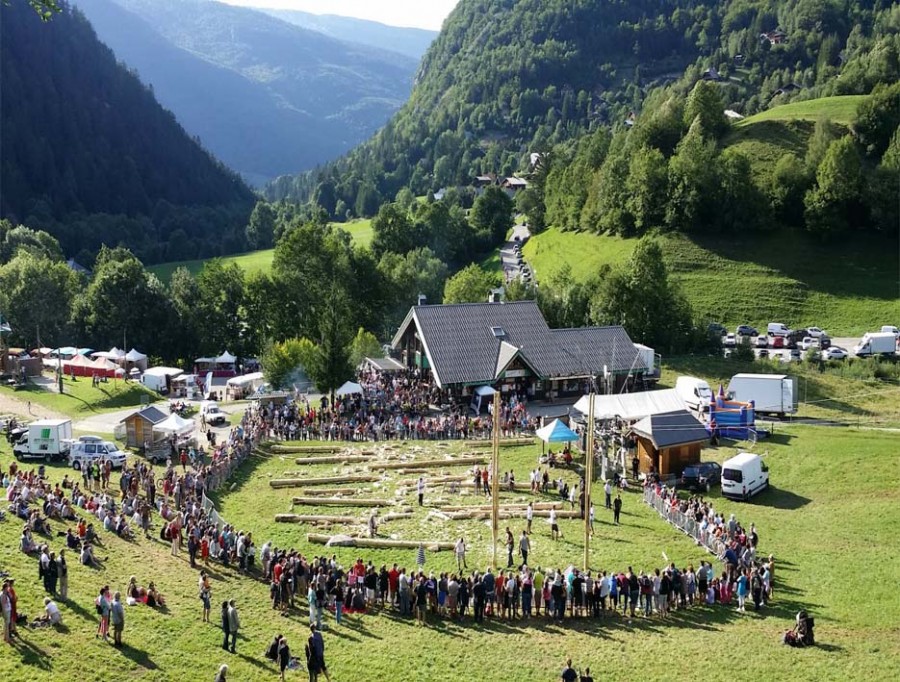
631, 406
246, 379
174, 424
226, 358
134, 356
349, 388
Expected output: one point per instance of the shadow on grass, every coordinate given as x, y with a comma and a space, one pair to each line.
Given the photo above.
776, 498
139, 657
32, 654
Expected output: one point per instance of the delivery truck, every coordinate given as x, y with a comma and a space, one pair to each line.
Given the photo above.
876, 343
770, 393
46, 439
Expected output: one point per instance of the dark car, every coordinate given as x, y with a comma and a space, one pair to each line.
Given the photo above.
716, 329
700, 476
746, 330
824, 342
794, 337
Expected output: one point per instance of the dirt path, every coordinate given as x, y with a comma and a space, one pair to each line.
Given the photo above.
25, 409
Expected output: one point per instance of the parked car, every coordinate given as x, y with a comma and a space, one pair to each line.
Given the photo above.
746, 330
794, 355
807, 343
763, 353
730, 341
835, 353
744, 476
87, 449
700, 476
762, 342
716, 329
777, 329
776, 341
794, 337
824, 342
815, 332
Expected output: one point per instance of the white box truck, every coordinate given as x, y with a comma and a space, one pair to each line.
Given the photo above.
876, 343
770, 393
46, 439
651, 361
743, 476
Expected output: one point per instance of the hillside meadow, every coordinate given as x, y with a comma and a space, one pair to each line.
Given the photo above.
847, 287
260, 261
829, 516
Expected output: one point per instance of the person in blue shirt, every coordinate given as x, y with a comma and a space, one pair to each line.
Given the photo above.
743, 588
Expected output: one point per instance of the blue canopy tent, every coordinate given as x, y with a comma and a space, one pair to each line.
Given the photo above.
556, 432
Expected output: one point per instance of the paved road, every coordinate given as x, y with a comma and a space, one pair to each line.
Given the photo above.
511, 267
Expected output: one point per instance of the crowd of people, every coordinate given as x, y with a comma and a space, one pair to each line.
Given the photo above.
392, 406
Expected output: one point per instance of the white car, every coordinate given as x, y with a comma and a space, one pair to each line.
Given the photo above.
730, 340
835, 353
89, 449
807, 343
815, 332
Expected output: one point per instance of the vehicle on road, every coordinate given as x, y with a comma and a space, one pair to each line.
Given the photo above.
211, 413
815, 332
762, 342
743, 476
45, 439
746, 330
695, 392
807, 343
890, 329
700, 476
835, 353
876, 343
88, 449
776, 341
730, 341
763, 353
777, 329
770, 393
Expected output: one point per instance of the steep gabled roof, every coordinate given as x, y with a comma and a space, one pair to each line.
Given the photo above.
150, 414
463, 345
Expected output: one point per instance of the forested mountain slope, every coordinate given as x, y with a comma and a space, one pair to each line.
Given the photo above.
83, 141
266, 96
504, 79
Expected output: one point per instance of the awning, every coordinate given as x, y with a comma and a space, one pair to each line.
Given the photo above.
484, 390
556, 432
134, 356
631, 406
226, 358
245, 379
174, 424
349, 388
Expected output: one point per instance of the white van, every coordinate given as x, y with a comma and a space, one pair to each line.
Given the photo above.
87, 449
695, 392
890, 329
211, 412
777, 329
743, 476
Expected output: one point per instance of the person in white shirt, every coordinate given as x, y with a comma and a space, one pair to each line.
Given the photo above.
421, 489
529, 515
51, 612
461, 554
554, 526
591, 518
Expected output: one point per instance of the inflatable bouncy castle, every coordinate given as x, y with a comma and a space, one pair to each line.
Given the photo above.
732, 418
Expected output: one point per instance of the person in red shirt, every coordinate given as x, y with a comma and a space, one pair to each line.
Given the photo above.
276, 572
393, 584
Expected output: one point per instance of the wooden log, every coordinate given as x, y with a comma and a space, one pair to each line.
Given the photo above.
342, 502
332, 459
395, 516
510, 505
504, 442
410, 482
310, 492
313, 518
325, 480
294, 449
431, 463
382, 543
509, 514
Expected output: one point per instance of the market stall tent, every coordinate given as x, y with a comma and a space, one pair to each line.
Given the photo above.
174, 424
631, 406
556, 432
349, 388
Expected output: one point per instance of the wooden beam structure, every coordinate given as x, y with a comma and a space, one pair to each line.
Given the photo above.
326, 492
413, 465
342, 502
380, 543
325, 480
510, 505
314, 518
495, 476
588, 478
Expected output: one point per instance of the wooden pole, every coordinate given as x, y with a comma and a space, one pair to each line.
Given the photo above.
588, 479
495, 478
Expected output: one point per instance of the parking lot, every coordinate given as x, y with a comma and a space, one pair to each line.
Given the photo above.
788, 355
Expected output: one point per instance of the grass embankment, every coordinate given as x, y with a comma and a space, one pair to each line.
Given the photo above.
839, 109
857, 392
81, 399
260, 261
847, 287
830, 514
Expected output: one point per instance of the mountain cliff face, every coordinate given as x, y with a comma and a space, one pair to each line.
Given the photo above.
266, 96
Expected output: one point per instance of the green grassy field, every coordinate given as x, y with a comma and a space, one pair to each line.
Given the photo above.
839, 109
260, 261
828, 518
755, 278
80, 399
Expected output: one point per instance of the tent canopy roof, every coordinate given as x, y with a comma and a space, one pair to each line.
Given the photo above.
631, 406
174, 424
226, 358
134, 356
484, 390
349, 388
556, 432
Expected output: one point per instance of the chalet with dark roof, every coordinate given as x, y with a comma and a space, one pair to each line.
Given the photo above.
511, 347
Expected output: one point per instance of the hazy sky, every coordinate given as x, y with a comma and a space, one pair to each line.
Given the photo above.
419, 13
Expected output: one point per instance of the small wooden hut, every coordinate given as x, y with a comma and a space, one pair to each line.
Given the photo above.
668, 442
